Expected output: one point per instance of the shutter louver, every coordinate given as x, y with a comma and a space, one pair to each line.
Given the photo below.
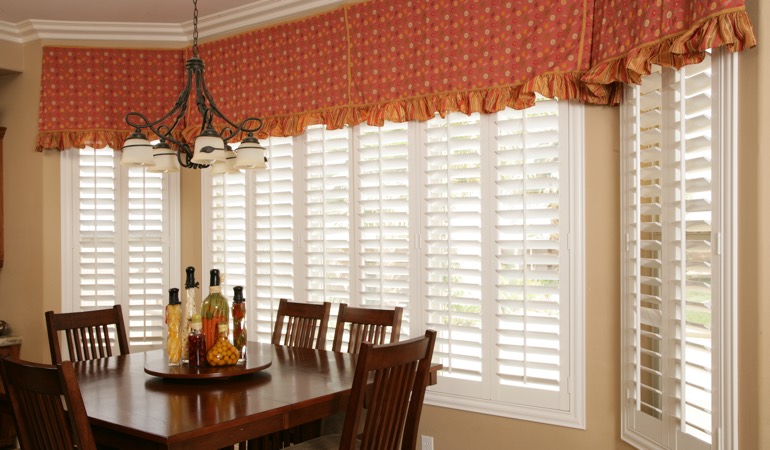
327, 226
121, 242
273, 199
147, 256
669, 257
529, 247
228, 232
383, 217
453, 235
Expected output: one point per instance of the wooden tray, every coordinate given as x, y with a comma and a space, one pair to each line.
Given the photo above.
156, 364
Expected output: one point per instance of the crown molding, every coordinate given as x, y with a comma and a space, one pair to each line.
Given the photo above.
251, 16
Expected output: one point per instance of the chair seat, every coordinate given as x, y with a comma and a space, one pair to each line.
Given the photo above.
333, 424
327, 442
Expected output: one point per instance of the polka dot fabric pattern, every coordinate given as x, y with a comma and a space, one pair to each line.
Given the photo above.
86, 93
393, 60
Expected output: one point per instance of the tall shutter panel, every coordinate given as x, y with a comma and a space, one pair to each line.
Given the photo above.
670, 286
228, 239
383, 217
531, 254
453, 245
97, 229
327, 215
148, 257
273, 197
121, 241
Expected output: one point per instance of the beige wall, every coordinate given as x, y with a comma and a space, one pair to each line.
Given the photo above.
30, 279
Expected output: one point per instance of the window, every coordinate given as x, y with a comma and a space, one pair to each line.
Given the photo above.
473, 224
119, 240
677, 294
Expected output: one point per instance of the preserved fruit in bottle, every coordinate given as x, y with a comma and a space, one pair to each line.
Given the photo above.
222, 353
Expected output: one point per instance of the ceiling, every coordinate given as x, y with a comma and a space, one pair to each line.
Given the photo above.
160, 20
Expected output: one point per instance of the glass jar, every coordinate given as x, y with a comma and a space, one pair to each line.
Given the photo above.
239, 323
189, 311
196, 343
174, 327
222, 353
214, 309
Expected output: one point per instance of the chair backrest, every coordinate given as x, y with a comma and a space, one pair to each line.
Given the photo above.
399, 376
306, 324
366, 325
87, 333
47, 406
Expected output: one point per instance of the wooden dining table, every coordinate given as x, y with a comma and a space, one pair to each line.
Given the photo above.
132, 409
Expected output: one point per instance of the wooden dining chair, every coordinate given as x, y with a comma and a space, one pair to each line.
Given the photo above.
305, 324
376, 326
48, 409
87, 333
399, 376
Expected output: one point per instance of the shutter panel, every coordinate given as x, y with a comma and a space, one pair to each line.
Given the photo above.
668, 259
148, 257
383, 217
530, 254
695, 315
228, 233
327, 215
97, 225
274, 226
121, 242
453, 247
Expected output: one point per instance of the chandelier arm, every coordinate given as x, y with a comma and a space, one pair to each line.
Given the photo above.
156, 126
237, 128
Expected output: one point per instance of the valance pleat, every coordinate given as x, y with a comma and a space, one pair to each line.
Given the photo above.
393, 60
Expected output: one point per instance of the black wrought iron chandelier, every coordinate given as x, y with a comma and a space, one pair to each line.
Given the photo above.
211, 147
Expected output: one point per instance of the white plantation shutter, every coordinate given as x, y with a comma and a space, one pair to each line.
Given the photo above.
228, 240
465, 222
326, 237
119, 240
273, 198
383, 227
674, 300
453, 245
495, 205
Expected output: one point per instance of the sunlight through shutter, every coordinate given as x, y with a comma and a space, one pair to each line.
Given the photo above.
531, 251
669, 257
273, 199
327, 227
123, 243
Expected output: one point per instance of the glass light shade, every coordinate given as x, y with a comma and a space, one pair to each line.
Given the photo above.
137, 151
165, 159
251, 155
209, 147
226, 166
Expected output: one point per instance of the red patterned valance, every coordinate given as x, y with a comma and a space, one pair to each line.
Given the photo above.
391, 60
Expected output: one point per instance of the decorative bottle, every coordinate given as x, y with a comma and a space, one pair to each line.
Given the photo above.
173, 324
189, 310
214, 309
196, 343
222, 353
239, 323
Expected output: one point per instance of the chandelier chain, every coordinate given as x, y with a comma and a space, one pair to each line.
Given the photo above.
195, 28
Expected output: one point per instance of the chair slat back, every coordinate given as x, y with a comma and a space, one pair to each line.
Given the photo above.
305, 324
377, 326
38, 395
399, 377
87, 333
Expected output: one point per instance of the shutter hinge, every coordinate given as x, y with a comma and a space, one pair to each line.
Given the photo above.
628, 242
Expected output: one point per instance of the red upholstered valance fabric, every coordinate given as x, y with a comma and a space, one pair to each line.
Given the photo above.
391, 60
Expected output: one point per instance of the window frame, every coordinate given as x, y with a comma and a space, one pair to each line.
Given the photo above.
571, 119
69, 197
724, 233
